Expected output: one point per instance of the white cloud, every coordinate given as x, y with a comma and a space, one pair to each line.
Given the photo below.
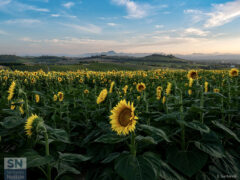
158, 26
68, 5
3, 32
4, 2
197, 32
55, 15
90, 28
135, 10
27, 39
111, 24
23, 21
223, 13
218, 16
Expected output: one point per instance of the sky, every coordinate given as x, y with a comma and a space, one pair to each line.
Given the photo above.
62, 27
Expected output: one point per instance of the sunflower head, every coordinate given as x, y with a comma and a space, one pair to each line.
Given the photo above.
37, 98
86, 91
192, 74
189, 92
55, 97
159, 88
59, 79
60, 96
141, 87
11, 90
125, 89
123, 119
168, 89
216, 90
111, 87
32, 124
102, 96
233, 72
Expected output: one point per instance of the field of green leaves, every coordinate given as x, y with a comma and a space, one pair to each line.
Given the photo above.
122, 125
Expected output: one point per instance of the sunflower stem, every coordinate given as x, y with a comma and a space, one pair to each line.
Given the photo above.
47, 154
133, 144
202, 105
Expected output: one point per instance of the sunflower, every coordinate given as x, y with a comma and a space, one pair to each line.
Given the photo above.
141, 87
216, 90
59, 79
29, 124
86, 91
169, 87
12, 106
233, 72
206, 87
102, 96
11, 90
60, 96
192, 74
37, 98
122, 118
164, 99
111, 87
55, 97
189, 92
125, 89
158, 92
191, 82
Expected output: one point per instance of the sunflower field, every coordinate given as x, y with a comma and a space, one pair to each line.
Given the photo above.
122, 125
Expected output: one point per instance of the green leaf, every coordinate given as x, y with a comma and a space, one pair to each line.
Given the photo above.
130, 167
163, 170
36, 160
69, 157
59, 135
196, 125
12, 122
225, 129
110, 138
152, 130
146, 139
187, 162
111, 157
168, 117
211, 145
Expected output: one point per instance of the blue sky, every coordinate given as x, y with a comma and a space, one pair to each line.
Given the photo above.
29, 27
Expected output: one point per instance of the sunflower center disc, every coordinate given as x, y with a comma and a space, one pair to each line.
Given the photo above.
124, 117
193, 75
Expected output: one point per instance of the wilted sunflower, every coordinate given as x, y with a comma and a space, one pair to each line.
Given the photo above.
141, 87
123, 119
233, 72
29, 124
37, 98
102, 96
192, 74
60, 96
11, 90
